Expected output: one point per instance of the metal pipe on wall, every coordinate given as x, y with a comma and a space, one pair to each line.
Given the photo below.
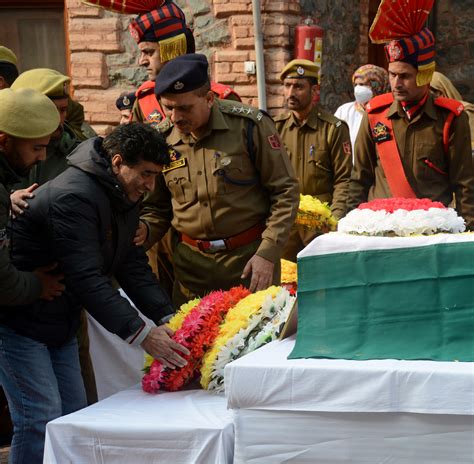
260, 63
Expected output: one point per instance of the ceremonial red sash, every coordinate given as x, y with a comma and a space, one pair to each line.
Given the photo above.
387, 149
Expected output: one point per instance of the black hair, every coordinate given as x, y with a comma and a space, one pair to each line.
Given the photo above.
312, 80
137, 142
9, 72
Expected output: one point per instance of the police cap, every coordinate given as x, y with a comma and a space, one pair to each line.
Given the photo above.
49, 82
27, 114
299, 68
125, 101
183, 74
7, 56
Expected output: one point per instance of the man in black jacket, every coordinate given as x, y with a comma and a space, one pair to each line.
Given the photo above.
85, 219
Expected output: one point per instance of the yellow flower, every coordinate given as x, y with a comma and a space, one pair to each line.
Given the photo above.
237, 318
177, 320
314, 214
288, 271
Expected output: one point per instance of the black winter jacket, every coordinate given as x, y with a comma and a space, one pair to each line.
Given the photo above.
83, 221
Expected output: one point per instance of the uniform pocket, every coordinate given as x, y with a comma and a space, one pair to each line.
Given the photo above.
232, 172
179, 184
433, 160
320, 161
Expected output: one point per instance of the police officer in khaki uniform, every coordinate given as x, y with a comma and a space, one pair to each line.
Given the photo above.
318, 145
230, 191
410, 144
27, 119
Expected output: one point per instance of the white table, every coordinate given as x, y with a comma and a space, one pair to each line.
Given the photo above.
337, 411
133, 427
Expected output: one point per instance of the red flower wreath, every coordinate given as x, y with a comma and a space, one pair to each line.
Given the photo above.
197, 333
390, 205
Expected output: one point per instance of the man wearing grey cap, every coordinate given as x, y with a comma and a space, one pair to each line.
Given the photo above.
230, 191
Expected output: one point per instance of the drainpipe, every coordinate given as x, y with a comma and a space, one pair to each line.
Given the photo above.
257, 27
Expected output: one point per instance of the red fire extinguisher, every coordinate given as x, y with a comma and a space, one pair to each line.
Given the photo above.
309, 43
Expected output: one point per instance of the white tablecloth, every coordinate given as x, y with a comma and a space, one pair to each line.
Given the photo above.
117, 365
338, 411
133, 427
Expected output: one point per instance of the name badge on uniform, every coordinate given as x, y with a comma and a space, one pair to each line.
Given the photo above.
381, 133
175, 165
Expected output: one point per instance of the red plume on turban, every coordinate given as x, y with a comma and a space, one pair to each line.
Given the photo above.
126, 6
400, 22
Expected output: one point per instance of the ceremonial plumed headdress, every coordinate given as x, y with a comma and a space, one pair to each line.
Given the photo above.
159, 21
401, 24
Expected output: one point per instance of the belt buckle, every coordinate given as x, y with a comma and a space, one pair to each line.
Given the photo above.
211, 246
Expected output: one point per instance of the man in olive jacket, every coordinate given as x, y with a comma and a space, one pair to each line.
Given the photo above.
85, 219
27, 120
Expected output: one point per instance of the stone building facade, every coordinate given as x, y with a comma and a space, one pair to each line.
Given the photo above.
103, 57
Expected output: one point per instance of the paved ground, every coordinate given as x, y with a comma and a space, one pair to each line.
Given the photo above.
4, 454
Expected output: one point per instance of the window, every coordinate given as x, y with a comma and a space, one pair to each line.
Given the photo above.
34, 30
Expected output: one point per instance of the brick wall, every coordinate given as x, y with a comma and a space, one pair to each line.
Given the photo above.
103, 56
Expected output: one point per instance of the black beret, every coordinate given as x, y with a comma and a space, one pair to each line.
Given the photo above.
125, 101
183, 74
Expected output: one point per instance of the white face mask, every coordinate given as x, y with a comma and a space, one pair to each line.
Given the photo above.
362, 94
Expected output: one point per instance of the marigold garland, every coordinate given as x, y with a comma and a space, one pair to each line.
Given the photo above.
197, 332
315, 215
236, 319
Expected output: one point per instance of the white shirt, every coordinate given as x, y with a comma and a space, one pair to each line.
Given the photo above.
349, 113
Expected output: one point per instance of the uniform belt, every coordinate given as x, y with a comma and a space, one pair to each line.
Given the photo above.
231, 243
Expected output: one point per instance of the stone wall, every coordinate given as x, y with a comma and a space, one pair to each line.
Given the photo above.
454, 32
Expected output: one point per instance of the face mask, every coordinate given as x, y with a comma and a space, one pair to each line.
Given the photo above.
362, 94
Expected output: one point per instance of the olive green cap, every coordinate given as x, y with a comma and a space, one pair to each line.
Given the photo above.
27, 114
299, 68
48, 81
7, 56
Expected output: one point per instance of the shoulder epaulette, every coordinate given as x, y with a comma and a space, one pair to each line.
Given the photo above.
239, 109
380, 101
224, 91
450, 104
145, 89
328, 117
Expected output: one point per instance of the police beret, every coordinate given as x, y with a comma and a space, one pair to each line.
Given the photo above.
125, 101
27, 114
7, 56
49, 82
183, 74
299, 68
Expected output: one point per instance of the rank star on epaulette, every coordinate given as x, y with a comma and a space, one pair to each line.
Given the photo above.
381, 133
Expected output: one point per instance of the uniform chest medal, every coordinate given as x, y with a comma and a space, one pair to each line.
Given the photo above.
381, 133
154, 118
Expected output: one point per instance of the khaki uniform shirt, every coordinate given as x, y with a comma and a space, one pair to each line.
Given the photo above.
320, 153
217, 189
430, 171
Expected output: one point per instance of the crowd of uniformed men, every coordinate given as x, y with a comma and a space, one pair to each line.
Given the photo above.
208, 184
